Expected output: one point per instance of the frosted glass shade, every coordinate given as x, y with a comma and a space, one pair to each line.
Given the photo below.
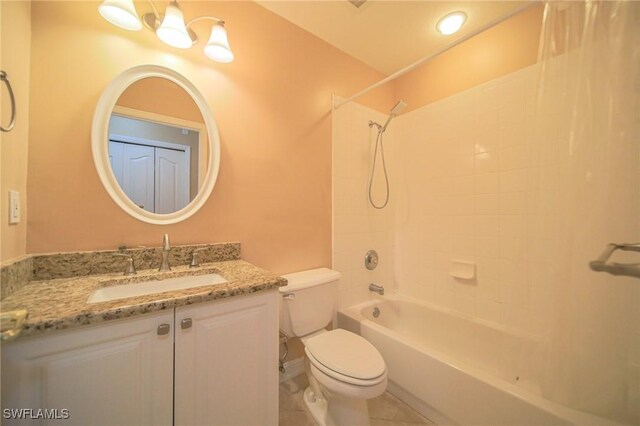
451, 23
217, 47
121, 13
172, 30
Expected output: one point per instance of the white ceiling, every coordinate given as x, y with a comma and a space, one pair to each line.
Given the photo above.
386, 35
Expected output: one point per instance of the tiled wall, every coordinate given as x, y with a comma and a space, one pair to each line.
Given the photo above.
358, 227
458, 174
462, 197
473, 178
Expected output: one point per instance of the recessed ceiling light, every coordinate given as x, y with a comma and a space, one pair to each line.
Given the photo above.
451, 22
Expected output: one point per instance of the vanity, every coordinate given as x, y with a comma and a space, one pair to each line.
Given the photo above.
192, 356
191, 343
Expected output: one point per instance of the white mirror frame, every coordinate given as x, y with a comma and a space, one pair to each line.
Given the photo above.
100, 145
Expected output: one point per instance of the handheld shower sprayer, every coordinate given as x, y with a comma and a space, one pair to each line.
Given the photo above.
396, 110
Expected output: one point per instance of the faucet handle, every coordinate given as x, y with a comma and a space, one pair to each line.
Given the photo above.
376, 289
130, 268
195, 262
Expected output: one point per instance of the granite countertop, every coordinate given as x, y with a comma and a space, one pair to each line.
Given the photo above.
61, 303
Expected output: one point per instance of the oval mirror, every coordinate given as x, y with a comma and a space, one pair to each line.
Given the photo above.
155, 144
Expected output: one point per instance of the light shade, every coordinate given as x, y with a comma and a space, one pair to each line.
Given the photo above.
172, 30
217, 47
451, 23
121, 13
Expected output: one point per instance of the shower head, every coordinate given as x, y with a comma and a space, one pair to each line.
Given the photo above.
396, 110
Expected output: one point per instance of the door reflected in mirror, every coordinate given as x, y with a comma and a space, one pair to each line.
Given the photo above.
158, 147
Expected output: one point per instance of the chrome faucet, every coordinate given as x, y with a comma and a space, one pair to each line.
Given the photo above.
376, 289
166, 247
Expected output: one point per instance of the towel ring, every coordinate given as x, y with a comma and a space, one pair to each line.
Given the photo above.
12, 122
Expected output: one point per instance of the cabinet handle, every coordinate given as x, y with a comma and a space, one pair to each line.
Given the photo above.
186, 323
163, 329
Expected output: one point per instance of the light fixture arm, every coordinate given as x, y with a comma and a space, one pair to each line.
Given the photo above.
155, 9
202, 18
152, 21
192, 34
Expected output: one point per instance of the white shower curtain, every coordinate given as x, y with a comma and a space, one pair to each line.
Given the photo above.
584, 192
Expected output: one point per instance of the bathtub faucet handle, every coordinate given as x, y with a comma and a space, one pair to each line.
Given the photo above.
376, 289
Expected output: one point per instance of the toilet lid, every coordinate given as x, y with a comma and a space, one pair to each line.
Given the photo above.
346, 353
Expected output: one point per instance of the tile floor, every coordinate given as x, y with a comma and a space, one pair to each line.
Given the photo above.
386, 410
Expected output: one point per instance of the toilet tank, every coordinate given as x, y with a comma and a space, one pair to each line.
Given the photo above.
308, 302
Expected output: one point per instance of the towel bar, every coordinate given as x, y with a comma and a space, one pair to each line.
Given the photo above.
601, 264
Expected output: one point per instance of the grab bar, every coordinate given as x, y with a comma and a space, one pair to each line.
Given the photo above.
12, 122
601, 264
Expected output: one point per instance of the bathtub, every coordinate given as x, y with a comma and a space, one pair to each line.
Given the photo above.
458, 370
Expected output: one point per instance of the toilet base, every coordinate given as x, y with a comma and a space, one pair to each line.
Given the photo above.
338, 411
316, 406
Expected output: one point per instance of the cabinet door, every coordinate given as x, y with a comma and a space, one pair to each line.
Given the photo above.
226, 362
115, 373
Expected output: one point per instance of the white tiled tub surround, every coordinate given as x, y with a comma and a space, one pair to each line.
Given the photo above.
458, 173
462, 197
358, 227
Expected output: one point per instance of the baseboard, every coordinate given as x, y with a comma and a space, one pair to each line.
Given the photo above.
292, 368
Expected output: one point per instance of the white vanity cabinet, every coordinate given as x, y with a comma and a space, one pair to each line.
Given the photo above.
118, 372
122, 372
226, 362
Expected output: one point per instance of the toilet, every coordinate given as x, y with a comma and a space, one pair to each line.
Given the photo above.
343, 368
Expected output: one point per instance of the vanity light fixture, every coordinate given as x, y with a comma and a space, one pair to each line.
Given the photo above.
172, 30
121, 13
170, 27
451, 22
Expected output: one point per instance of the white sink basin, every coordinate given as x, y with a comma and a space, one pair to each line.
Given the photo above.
107, 294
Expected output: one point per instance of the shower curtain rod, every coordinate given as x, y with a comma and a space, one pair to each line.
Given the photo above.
405, 70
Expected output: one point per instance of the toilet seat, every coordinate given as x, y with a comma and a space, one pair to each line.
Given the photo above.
346, 357
336, 387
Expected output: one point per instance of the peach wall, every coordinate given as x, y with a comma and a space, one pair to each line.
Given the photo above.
272, 105
14, 54
503, 49
160, 96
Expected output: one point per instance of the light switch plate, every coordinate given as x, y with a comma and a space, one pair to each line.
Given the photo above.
14, 207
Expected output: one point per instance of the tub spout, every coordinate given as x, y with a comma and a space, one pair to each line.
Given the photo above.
376, 288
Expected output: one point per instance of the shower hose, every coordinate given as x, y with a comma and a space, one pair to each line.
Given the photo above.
373, 170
